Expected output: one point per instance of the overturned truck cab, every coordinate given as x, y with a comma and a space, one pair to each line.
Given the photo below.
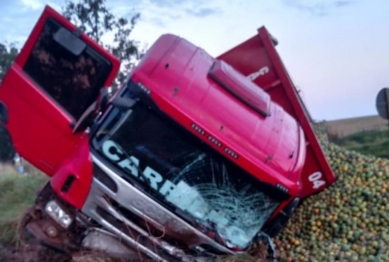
193, 156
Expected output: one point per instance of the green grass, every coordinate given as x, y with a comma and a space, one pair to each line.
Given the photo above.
374, 143
17, 192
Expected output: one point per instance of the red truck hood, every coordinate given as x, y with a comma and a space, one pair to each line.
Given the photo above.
272, 147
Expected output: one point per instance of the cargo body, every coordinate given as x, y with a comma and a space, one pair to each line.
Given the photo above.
193, 157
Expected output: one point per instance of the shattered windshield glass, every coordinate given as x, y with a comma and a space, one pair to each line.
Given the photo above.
185, 174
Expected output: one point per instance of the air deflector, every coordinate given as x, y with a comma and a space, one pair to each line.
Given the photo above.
241, 87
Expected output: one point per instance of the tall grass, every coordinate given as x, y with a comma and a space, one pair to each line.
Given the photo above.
17, 192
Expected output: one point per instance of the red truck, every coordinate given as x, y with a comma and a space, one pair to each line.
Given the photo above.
192, 157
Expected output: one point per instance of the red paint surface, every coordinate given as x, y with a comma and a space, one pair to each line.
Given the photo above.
259, 52
40, 130
176, 72
79, 164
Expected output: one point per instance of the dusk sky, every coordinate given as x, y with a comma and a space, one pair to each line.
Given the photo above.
337, 52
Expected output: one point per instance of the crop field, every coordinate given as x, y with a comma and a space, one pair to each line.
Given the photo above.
374, 143
347, 222
345, 127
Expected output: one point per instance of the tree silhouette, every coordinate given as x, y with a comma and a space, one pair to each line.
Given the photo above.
8, 54
97, 21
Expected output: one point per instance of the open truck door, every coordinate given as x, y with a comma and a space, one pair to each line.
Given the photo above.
58, 74
258, 59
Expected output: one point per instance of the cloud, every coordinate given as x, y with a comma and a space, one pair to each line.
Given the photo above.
176, 8
57, 6
159, 17
32, 4
167, 3
342, 3
157, 21
318, 7
25, 12
162, 12
203, 12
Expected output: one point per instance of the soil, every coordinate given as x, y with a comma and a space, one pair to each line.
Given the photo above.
28, 253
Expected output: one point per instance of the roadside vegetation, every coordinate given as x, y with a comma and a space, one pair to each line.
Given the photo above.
17, 192
374, 143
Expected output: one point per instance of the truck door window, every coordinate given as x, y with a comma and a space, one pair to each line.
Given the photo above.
183, 174
72, 81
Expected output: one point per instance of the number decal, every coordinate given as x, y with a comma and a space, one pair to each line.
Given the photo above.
263, 71
315, 178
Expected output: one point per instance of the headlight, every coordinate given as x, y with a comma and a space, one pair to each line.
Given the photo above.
58, 214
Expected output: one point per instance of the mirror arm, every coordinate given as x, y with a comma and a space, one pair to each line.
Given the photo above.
122, 102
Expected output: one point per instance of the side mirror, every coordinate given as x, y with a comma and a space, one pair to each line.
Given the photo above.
69, 41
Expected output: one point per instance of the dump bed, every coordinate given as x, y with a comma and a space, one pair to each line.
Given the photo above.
258, 59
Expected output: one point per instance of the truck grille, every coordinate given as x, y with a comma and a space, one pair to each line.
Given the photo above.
127, 230
104, 178
140, 222
130, 216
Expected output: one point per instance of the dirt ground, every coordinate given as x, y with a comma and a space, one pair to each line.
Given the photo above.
28, 253
37, 253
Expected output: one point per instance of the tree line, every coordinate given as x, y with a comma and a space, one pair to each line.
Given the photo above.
95, 19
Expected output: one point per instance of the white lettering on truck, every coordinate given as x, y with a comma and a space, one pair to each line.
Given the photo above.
316, 180
181, 194
263, 71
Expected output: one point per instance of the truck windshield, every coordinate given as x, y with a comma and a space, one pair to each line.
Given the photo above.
184, 174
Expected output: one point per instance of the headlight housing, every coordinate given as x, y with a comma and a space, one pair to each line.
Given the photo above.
55, 211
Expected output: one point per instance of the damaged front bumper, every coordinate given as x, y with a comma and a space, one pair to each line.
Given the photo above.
143, 224
119, 220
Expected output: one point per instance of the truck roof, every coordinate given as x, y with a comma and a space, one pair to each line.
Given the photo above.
225, 109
